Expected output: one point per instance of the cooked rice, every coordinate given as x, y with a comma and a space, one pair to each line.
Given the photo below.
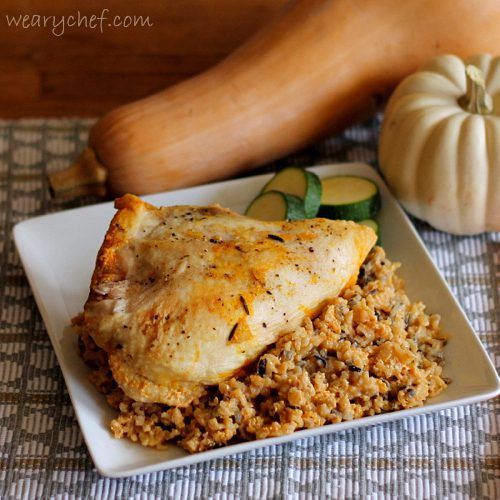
370, 351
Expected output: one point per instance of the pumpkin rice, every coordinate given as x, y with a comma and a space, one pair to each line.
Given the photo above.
370, 351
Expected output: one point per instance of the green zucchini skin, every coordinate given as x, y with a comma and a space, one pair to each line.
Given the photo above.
312, 200
357, 209
290, 207
308, 187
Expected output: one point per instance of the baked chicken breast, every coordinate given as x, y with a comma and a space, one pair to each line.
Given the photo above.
184, 297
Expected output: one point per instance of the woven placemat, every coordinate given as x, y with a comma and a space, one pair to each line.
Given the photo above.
449, 454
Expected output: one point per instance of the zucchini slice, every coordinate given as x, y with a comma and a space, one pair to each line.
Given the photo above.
301, 183
371, 223
274, 205
349, 197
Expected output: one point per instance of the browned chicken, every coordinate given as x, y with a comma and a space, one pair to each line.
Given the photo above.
183, 297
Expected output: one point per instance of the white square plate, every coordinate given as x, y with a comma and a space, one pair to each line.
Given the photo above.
58, 252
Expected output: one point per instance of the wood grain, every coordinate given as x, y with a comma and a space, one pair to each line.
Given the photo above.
84, 72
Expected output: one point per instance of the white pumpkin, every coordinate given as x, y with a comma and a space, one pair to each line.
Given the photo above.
440, 144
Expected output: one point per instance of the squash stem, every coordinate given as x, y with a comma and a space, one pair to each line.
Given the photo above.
84, 177
476, 99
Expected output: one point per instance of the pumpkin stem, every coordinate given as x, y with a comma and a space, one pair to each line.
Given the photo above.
476, 99
86, 176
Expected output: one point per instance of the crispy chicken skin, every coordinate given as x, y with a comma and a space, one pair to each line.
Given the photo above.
183, 297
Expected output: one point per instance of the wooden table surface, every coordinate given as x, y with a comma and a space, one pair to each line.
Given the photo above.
61, 70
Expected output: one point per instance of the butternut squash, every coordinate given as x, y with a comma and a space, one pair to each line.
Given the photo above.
318, 67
